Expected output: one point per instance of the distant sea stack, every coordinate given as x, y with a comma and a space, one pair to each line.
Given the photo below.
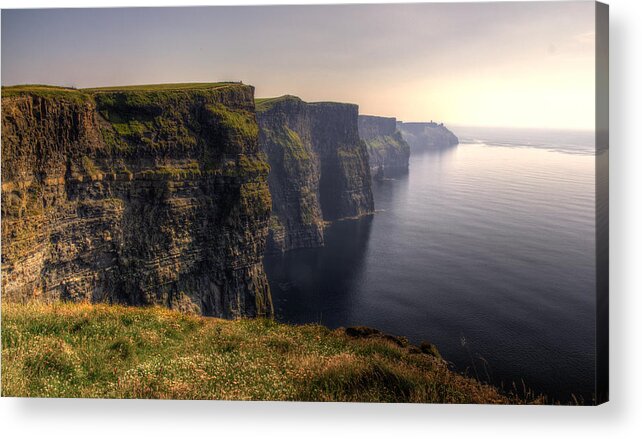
318, 168
137, 195
427, 135
387, 150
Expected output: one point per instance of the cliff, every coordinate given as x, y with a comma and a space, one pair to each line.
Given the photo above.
387, 150
427, 135
319, 168
137, 195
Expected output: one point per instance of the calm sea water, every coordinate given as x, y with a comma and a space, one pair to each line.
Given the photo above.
486, 249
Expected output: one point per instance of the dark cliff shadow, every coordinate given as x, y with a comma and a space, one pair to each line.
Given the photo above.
317, 285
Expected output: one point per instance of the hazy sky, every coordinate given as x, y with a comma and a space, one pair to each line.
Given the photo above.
494, 64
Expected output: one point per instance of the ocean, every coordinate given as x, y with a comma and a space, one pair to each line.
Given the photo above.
486, 249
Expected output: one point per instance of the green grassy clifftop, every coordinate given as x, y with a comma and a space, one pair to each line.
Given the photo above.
97, 351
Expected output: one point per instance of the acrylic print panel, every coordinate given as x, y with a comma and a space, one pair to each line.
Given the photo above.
365, 203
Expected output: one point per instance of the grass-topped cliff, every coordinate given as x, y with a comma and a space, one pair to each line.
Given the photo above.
84, 94
83, 350
146, 194
167, 86
45, 91
264, 104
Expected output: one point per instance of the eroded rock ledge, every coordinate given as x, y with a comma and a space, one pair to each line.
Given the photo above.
137, 195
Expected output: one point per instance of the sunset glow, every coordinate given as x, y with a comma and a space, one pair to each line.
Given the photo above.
489, 64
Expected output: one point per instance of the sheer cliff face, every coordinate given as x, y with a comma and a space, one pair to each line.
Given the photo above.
388, 151
319, 168
139, 196
344, 184
427, 135
286, 138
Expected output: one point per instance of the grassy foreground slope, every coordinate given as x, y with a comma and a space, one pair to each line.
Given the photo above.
83, 350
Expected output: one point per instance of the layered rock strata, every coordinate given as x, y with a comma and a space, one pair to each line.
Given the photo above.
138, 195
319, 168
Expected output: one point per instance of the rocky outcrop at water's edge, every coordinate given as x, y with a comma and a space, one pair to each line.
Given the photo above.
426, 135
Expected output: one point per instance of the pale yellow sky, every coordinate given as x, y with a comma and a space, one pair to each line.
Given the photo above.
512, 64
550, 93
